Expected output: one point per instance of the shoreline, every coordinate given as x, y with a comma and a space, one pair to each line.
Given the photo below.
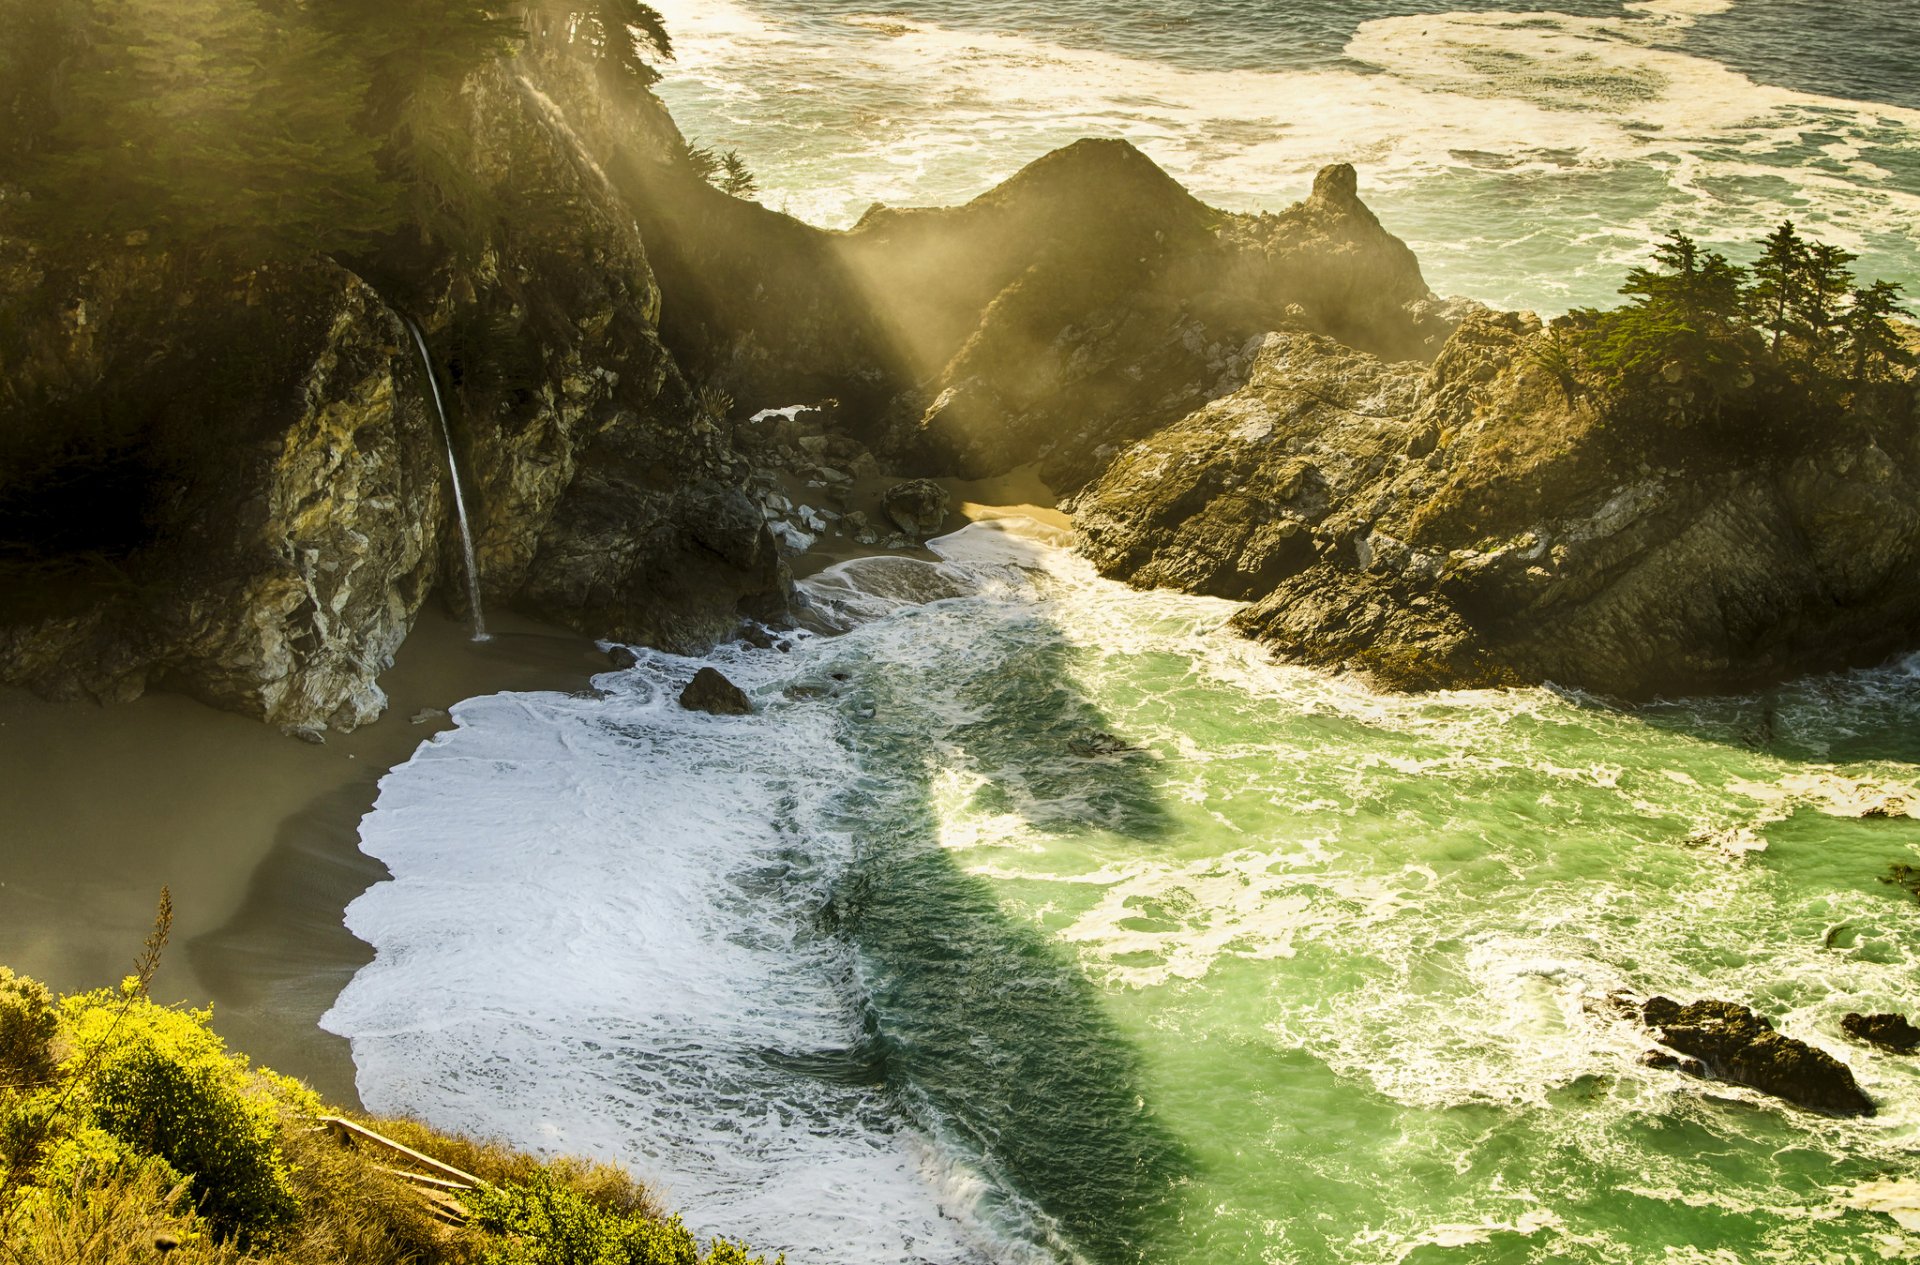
256, 834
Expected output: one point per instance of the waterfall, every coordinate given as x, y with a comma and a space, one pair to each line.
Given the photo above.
453, 470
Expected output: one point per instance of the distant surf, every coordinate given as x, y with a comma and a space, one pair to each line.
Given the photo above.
1527, 156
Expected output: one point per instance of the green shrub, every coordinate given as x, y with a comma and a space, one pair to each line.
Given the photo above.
27, 1024
164, 1085
545, 1223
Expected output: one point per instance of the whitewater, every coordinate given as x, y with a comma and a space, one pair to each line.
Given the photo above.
1031, 918
1528, 155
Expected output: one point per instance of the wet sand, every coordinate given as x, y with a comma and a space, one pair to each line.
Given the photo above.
256, 834
1018, 493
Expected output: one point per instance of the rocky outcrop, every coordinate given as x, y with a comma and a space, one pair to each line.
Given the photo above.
1732, 1043
281, 528
917, 507
711, 692
1890, 1032
231, 484
1110, 302
1464, 523
1083, 303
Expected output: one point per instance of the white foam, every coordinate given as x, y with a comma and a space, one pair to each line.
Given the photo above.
601, 922
931, 114
596, 935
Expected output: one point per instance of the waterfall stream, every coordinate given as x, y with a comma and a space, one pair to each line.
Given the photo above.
453, 471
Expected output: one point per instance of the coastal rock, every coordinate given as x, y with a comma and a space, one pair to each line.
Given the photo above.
1734, 1044
1888, 1031
918, 507
1465, 524
285, 521
711, 692
235, 487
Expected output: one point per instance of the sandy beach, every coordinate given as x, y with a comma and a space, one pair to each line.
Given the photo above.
255, 834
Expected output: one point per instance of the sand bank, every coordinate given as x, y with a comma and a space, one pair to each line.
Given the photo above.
255, 833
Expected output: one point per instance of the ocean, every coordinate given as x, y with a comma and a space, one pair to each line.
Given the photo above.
1529, 157
1048, 921
1035, 919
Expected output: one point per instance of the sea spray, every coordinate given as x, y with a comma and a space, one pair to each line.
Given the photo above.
1048, 920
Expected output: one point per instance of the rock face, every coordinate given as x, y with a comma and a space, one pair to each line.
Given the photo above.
1889, 1032
917, 507
1462, 523
233, 485
1083, 303
1735, 1044
273, 558
711, 692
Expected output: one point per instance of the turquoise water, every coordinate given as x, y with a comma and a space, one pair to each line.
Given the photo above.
1529, 155
1049, 922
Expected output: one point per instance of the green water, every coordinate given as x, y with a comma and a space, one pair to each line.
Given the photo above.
1317, 975
1052, 923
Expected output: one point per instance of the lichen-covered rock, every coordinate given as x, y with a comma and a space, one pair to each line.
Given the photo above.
1737, 1045
1888, 1031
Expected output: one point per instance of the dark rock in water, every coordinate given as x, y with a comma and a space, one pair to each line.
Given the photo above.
757, 637
713, 693
1734, 1044
622, 657
1668, 1059
1889, 1032
917, 507
1089, 746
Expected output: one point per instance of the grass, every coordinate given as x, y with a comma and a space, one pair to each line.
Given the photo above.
129, 1133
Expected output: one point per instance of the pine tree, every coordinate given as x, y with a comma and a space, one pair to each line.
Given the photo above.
1777, 276
211, 123
1680, 342
1819, 302
39, 40
734, 176
1874, 348
623, 37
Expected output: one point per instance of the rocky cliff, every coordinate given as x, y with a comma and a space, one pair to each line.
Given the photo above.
230, 483
1466, 523
227, 480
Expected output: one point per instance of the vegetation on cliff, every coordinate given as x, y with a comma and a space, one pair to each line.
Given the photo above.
127, 1126
1702, 342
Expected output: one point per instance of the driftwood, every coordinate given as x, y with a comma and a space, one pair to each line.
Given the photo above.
438, 1187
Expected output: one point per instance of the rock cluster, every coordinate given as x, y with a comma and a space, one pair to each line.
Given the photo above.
1732, 1043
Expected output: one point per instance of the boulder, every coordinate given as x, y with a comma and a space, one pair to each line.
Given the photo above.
1734, 1044
1889, 1032
917, 507
713, 693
